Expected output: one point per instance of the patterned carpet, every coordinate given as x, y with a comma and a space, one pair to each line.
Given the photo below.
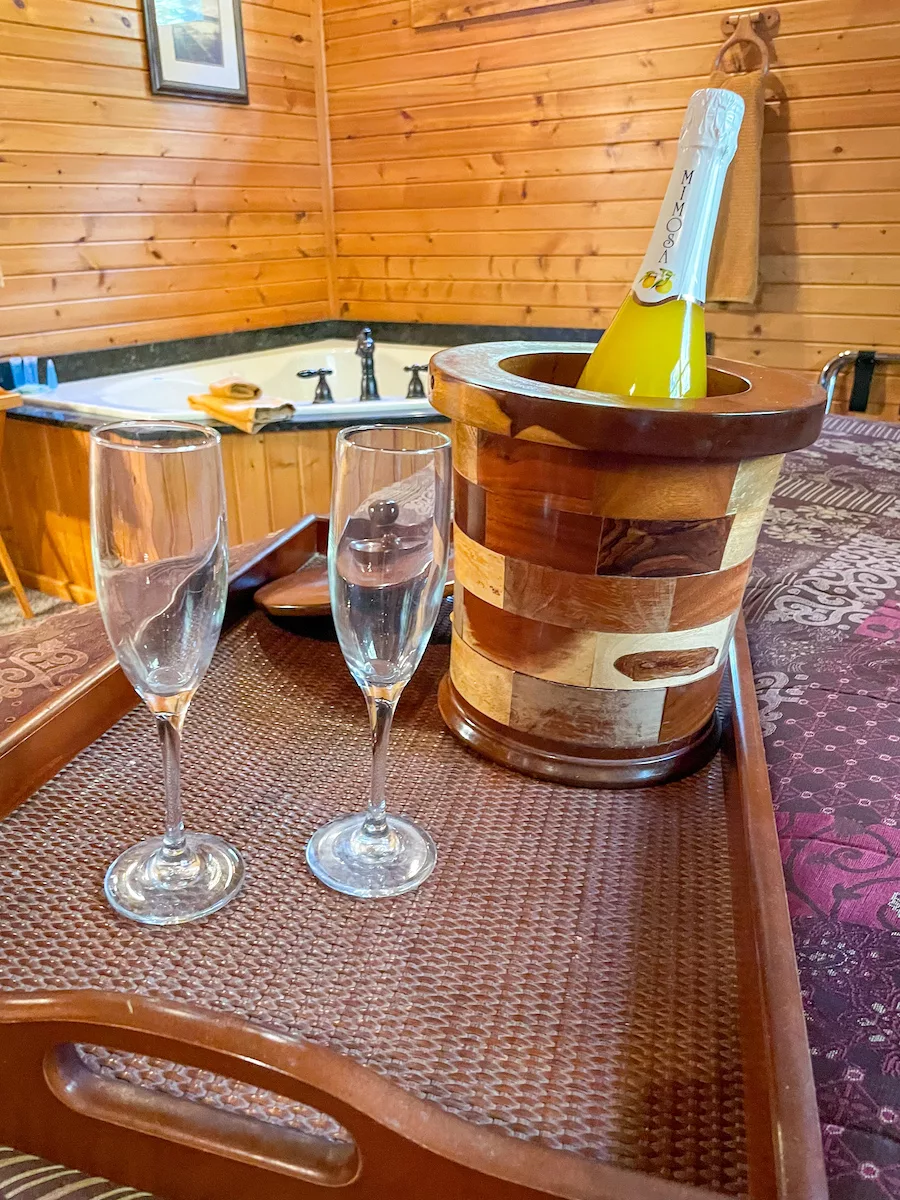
11, 615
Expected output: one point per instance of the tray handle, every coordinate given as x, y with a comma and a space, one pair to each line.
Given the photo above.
244, 1139
61, 1110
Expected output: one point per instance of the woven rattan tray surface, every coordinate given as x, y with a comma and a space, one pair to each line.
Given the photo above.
554, 914
570, 975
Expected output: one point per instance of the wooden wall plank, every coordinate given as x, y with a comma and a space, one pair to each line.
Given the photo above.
346, 19
803, 87
860, 208
783, 299
62, 257
811, 270
151, 281
641, 141
150, 113
75, 139
795, 51
167, 329
775, 240
576, 34
584, 30
91, 79
48, 198
120, 170
781, 183
38, 318
35, 229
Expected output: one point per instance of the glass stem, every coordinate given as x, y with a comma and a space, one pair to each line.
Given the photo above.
381, 716
170, 726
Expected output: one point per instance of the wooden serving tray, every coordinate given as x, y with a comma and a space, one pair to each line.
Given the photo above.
594, 996
304, 593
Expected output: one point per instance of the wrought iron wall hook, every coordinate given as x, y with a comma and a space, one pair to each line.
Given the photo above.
745, 28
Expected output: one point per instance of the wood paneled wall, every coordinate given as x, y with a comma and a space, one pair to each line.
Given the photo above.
510, 170
127, 218
504, 170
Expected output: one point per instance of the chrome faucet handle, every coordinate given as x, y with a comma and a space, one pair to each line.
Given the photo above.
365, 343
416, 390
323, 391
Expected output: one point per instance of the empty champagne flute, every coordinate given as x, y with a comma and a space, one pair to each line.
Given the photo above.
161, 572
387, 566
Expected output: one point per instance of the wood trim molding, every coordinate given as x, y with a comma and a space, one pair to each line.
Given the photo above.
324, 140
783, 1120
446, 12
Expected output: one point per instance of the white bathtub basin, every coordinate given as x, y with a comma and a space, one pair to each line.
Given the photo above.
145, 395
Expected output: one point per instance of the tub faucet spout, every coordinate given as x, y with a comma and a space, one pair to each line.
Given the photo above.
365, 348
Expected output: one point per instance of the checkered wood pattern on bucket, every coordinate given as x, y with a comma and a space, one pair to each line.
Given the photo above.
629, 520
567, 975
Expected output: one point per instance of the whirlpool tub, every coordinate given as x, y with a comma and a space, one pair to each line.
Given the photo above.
163, 392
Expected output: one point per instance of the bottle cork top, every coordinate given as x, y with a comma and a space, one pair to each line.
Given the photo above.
713, 120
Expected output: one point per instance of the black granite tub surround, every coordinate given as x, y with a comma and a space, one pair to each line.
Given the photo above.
87, 421
119, 360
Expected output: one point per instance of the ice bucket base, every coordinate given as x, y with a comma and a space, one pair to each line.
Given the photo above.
580, 766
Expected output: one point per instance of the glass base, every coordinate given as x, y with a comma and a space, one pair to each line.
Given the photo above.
343, 857
154, 889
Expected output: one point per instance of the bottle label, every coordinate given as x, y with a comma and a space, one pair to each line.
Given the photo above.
677, 258
674, 267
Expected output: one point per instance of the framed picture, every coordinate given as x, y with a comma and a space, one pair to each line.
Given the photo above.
196, 49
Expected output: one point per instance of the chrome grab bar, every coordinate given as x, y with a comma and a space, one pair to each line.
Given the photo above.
829, 373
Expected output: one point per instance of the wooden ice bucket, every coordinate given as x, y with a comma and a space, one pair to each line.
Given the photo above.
602, 548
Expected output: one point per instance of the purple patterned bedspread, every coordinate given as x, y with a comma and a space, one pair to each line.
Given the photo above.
823, 615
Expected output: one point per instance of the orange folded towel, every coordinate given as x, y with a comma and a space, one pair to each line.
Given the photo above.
247, 415
734, 263
235, 388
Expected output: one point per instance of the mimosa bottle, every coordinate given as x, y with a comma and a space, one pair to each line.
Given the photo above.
655, 345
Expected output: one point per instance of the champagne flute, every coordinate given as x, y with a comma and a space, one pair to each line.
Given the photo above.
387, 566
161, 571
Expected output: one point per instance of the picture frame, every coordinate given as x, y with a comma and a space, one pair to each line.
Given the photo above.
196, 49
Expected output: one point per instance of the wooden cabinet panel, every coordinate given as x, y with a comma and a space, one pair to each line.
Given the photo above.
271, 481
